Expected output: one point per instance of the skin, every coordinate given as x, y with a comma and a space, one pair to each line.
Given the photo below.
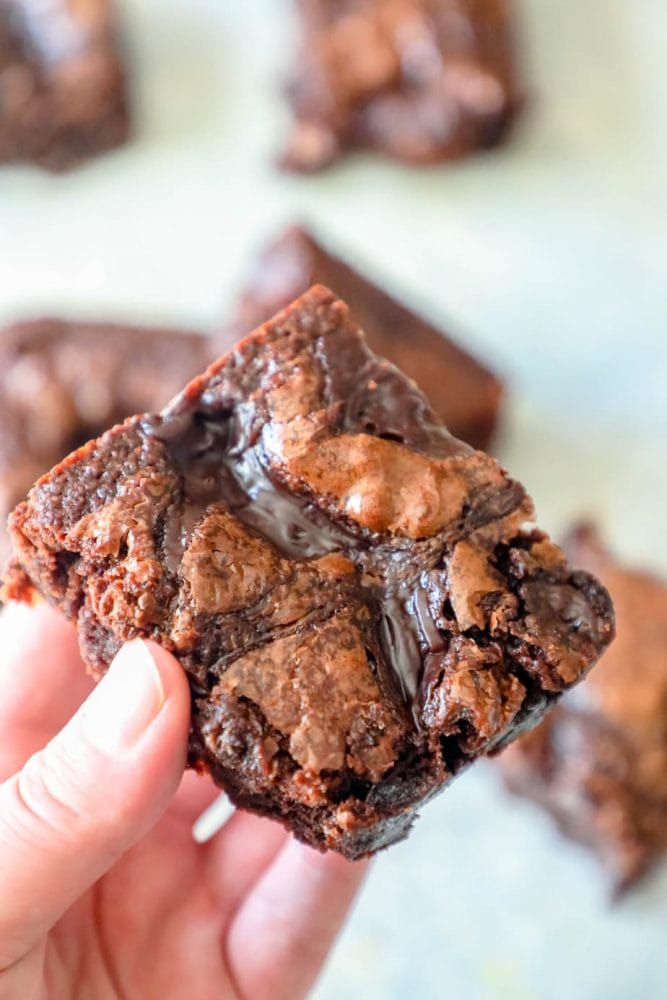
103, 891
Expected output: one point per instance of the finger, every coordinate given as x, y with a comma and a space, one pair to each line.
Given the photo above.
296, 910
94, 790
239, 855
42, 680
196, 793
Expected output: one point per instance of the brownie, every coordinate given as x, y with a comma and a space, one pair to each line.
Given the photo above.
598, 763
418, 80
62, 84
348, 587
465, 394
63, 382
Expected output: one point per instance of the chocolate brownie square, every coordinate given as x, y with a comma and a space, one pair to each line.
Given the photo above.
62, 383
419, 80
598, 763
62, 84
348, 587
464, 393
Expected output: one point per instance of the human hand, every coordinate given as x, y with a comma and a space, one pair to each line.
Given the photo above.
103, 891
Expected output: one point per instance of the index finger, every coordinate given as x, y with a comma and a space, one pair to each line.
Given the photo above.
42, 680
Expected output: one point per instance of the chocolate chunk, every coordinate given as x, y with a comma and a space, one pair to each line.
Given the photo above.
356, 604
62, 383
465, 394
419, 80
598, 763
62, 83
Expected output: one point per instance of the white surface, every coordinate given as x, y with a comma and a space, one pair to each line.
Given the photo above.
212, 819
551, 256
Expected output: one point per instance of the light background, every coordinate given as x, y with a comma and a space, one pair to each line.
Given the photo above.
549, 258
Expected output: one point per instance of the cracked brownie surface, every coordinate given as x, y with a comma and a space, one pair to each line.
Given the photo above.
418, 80
465, 394
348, 587
62, 83
598, 763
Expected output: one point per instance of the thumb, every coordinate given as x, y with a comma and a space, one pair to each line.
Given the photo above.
82, 801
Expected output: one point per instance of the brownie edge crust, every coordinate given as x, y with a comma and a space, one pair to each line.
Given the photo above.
348, 587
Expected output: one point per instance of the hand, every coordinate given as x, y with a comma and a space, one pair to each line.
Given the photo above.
103, 891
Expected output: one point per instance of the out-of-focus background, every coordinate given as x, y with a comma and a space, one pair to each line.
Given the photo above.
548, 258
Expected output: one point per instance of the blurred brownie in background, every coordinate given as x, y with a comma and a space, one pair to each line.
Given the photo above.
419, 80
62, 382
62, 86
599, 761
465, 394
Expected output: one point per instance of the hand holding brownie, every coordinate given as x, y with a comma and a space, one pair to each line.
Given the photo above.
103, 891
359, 612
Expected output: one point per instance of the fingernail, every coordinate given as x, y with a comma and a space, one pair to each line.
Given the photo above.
126, 701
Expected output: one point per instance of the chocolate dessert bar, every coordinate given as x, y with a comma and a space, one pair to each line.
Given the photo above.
419, 80
464, 393
598, 763
62, 85
348, 587
62, 383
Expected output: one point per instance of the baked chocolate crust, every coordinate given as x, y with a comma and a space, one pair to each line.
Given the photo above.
62, 383
62, 83
418, 80
463, 392
598, 763
347, 586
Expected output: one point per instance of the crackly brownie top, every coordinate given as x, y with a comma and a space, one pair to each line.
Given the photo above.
401, 74
63, 382
302, 531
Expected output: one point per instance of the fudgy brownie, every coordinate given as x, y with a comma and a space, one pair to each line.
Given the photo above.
347, 585
419, 80
598, 763
62, 383
62, 85
465, 394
